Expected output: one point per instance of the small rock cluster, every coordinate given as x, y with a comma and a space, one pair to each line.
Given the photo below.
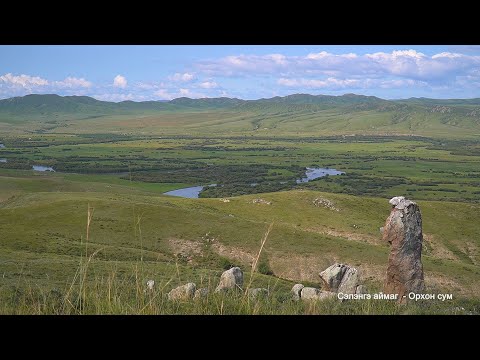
336, 278
261, 201
230, 280
225, 200
321, 202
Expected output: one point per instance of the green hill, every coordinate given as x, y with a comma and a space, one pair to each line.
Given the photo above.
298, 114
48, 239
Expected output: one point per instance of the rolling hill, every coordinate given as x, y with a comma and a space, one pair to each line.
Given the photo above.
297, 114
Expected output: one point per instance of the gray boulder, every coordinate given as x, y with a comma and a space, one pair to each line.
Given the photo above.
200, 293
296, 290
333, 275
349, 282
340, 278
310, 293
183, 292
230, 279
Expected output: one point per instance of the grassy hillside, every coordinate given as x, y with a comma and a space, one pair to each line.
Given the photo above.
43, 222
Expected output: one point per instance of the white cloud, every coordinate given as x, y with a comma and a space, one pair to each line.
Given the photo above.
185, 77
120, 82
163, 94
331, 83
208, 85
24, 81
398, 63
72, 82
337, 84
184, 92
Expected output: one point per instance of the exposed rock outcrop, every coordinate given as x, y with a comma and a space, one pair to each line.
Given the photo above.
403, 231
230, 279
321, 202
183, 292
261, 201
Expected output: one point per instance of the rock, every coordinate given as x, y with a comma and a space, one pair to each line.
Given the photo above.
150, 284
258, 292
327, 295
321, 202
296, 290
230, 279
183, 292
381, 229
403, 231
261, 201
225, 200
333, 275
349, 281
340, 278
201, 293
310, 293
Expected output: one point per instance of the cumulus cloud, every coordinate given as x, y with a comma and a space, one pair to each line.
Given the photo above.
19, 85
208, 85
23, 81
72, 83
120, 82
185, 77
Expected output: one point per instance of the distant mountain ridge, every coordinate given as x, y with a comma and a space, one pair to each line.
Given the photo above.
76, 102
47, 105
292, 114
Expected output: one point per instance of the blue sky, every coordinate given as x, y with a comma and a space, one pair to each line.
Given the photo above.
139, 73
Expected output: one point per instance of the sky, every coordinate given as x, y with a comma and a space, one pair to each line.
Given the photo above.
165, 72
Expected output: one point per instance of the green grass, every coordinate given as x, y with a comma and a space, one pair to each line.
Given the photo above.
42, 231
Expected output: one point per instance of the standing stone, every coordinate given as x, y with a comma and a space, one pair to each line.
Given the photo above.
296, 290
183, 292
230, 279
403, 231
